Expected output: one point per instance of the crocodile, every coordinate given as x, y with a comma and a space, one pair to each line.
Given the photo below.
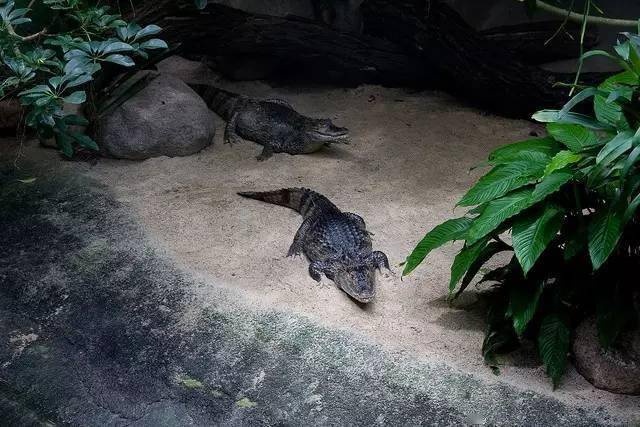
273, 123
337, 244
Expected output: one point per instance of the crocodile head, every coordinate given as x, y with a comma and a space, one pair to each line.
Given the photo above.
323, 131
358, 282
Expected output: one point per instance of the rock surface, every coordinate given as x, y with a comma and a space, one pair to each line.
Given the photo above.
186, 70
616, 370
166, 118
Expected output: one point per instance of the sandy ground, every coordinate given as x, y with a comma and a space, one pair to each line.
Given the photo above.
406, 168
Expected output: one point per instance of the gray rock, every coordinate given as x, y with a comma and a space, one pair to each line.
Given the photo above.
165, 118
616, 370
186, 70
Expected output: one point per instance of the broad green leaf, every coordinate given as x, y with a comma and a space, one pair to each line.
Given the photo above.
453, 229
85, 141
523, 303
623, 139
464, 260
499, 210
532, 233
74, 119
154, 44
631, 209
553, 344
80, 80
487, 253
553, 116
578, 98
201, 4
546, 147
610, 112
147, 31
575, 137
550, 184
115, 47
64, 144
561, 160
605, 230
77, 97
123, 60
631, 160
501, 180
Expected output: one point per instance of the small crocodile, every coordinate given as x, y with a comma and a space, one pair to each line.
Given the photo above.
336, 243
273, 123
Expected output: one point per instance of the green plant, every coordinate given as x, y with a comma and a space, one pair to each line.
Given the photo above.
569, 203
69, 55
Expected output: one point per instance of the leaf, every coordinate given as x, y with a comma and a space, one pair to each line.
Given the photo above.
620, 143
28, 180
546, 147
201, 4
114, 47
73, 119
147, 31
523, 303
501, 180
463, 261
85, 141
77, 97
550, 184
154, 44
532, 233
487, 253
605, 230
123, 60
560, 160
553, 116
497, 211
575, 137
553, 344
64, 144
609, 112
578, 98
453, 229
80, 80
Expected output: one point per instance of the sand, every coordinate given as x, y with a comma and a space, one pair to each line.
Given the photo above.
408, 164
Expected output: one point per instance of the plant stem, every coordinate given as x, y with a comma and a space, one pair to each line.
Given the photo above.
577, 17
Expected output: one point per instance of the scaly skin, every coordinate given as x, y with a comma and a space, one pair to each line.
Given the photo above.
336, 243
273, 123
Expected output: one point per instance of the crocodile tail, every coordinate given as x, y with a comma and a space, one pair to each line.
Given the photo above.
219, 100
301, 200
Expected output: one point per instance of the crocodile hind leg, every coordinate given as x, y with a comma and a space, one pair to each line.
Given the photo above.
230, 135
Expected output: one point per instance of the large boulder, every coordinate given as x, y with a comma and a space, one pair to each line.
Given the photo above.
165, 118
617, 369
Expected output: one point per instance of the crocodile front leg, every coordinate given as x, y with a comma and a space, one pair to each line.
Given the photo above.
379, 260
230, 135
318, 268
